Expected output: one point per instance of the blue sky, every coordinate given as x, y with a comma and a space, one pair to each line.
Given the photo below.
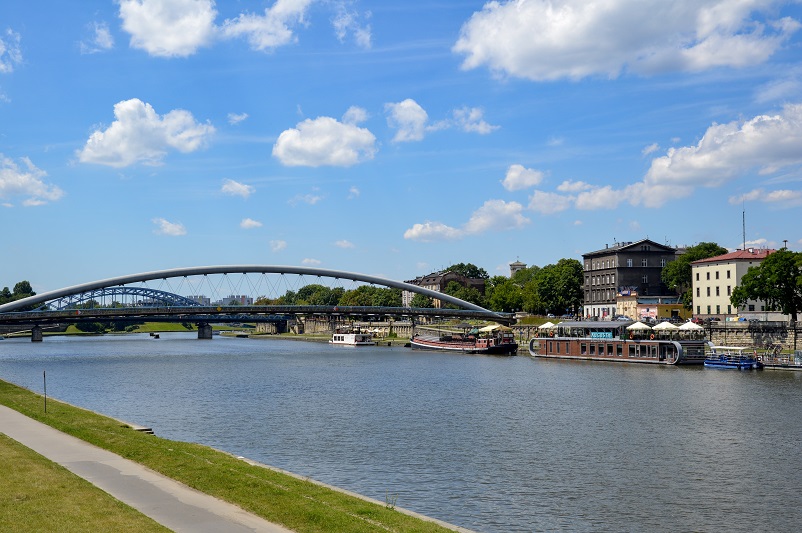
390, 138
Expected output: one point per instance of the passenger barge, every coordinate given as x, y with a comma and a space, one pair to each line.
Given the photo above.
732, 357
619, 341
491, 340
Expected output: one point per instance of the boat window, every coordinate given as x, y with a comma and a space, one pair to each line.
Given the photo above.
567, 350
592, 349
609, 349
619, 350
632, 350
583, 348
601, 349
558, 347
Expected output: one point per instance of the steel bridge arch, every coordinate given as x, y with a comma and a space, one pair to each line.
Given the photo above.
239, 269
150, 296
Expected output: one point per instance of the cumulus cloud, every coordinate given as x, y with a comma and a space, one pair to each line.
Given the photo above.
234, 188
548, 203
519, 177
169, 28
578, 38
165, 227
765, 143
100, 41
26, 181
10, 52
271, 30
493, 215
324, 141
139, 134
355, 115
408, 118
236, 118
249, 223
411, 121
277, 245
310, 261
353, 193
783, 197
344, 244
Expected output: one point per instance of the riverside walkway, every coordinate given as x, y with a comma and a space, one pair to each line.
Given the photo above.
172, 504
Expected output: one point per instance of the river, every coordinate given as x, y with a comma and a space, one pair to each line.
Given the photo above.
494, 444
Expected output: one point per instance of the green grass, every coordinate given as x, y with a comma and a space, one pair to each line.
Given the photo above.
298, 504
39, 495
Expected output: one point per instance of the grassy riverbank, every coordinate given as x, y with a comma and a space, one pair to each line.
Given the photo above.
39, 495
299, 504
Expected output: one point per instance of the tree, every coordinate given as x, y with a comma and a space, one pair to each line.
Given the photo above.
421, 301
554, 288
457, 290
777, 281
676, 275
468, 270
505, 296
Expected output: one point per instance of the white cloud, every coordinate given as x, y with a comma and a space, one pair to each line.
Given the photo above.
344, 244
599, 198
236, 118
164, 227
518, 177
234, 188
353, 193
169, 28
309, 261
100, 41
782, 197
355, 115
412, 122
277, 245
10, 52
271, 30
310, 199
766, 143
324, 141
650, 149
574, 39
347, 22
574, 186
471, 120
494, 215
27, 182
548, 203
409, 118
139, 134
249, 223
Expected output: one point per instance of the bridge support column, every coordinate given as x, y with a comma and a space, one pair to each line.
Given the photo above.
36, 334
204, 331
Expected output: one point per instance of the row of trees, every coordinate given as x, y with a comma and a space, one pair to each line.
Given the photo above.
21, 290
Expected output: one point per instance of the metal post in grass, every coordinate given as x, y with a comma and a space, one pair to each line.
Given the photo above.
44, 379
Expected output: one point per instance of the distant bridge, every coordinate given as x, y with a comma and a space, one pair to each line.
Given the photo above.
77, 303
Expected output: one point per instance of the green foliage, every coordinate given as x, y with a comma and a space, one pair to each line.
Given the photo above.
469, 294
504, 294
468, 270
421, 301
777, 281
367, 295
553, 288
676, 275
22, 289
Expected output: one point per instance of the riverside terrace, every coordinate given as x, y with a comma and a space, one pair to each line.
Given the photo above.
60, 306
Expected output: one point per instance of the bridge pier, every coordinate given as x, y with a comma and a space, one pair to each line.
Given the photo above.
204, 331
36, 334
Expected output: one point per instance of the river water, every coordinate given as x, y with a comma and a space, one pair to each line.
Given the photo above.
494, 444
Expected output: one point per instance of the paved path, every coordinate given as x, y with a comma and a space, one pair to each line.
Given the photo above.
165, 500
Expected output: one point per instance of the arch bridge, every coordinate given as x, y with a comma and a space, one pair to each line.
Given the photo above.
116, 299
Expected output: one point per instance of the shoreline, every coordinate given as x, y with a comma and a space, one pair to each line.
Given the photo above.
133, 429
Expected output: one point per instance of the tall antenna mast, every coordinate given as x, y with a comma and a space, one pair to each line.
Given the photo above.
743, 221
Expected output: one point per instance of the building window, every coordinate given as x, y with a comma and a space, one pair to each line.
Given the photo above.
698, 292
751, 307
708, 309
729, 290
629, 262
662, 262
729, 309
697, 276
718, 309
612, 279
716, 274
644, 262
728, 274
708, 291
717, 294
645, 279
698, 309
708, 275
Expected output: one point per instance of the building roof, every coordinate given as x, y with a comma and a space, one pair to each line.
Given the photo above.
622, 246
750, 254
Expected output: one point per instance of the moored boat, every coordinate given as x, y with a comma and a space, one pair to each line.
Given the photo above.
491, 340
732, 357
352, 338
619, 342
